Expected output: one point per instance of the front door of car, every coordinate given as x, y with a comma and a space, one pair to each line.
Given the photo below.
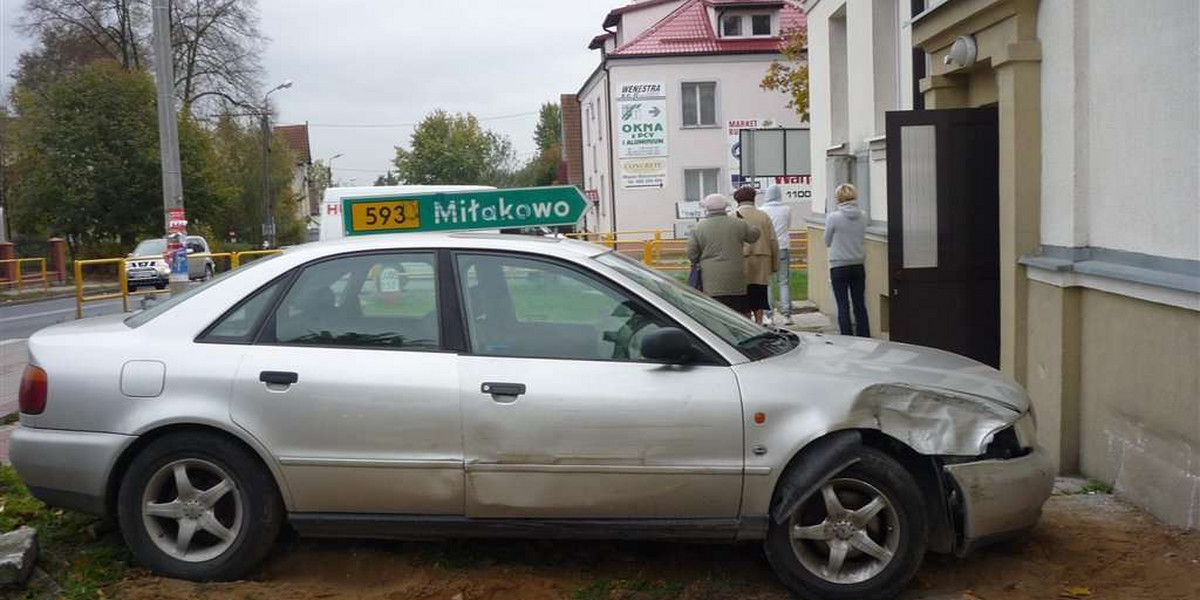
563, 418
348, 386
196, 265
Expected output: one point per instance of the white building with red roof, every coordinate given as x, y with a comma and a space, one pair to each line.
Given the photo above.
660, 115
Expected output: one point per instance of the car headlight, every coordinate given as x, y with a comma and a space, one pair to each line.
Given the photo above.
1026, 429
162, 269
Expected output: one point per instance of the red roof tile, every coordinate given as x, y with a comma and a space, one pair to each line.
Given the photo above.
688, 30
296, 137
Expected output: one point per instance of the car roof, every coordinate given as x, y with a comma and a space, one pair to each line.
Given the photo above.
461, 240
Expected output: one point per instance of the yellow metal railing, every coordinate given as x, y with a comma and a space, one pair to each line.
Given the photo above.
19, 278
81, 299
234, 260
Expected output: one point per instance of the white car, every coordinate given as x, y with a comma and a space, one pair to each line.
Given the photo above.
476, 385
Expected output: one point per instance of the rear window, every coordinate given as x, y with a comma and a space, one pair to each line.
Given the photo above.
141, 318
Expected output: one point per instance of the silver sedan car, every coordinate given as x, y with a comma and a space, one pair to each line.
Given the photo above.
477, 385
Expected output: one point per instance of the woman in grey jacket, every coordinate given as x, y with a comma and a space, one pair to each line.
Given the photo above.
845, 229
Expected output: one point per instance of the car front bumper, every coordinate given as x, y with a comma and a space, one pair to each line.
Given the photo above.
1000, 498
67, 469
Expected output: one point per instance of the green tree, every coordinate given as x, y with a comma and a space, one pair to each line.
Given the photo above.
542, 169
237, 155
87, 151
548, 132
388, 178
791, 75
454, 149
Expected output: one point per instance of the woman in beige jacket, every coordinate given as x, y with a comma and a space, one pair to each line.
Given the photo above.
762, 255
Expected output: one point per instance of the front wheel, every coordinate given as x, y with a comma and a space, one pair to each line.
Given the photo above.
195, 506
861, 536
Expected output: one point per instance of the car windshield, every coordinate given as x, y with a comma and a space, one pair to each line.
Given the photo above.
152, 247
141, 318
755, 341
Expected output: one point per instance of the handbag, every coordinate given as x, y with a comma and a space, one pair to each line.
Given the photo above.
694, 277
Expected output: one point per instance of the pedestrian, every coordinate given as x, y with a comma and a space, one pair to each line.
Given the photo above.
762, 255
781, 219
844, 232
716, 245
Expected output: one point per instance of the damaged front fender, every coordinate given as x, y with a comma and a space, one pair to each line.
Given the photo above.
931, 421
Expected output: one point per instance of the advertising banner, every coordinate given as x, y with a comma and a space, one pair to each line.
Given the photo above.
642, 125
643, 172
734, 128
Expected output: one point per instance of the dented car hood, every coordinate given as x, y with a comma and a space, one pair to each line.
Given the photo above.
895, 363
936, 402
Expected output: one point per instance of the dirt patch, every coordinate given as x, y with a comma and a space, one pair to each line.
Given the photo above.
1087, 546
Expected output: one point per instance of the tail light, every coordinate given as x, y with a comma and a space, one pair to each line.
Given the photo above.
32, 396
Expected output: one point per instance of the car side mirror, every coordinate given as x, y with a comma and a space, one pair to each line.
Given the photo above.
669, 344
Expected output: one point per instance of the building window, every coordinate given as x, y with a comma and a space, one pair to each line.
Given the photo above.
588, 123
760, 25
698, 183
699, 104
746, 25
731, 26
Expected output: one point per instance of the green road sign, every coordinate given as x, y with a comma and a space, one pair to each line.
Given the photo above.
446, 211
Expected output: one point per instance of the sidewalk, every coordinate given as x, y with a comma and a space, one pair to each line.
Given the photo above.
34, 292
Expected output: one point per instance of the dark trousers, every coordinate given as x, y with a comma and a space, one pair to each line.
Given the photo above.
848, 285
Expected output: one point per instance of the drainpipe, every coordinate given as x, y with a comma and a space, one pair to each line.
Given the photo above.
613, 175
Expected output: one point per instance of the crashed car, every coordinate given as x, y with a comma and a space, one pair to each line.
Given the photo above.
485, 385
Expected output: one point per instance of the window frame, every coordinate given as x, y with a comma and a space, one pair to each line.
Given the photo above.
707, 355
697, 84
746, 24
700, 171
449, 337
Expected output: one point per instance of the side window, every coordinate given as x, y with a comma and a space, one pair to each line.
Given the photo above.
366, 301
528, 308
238, 326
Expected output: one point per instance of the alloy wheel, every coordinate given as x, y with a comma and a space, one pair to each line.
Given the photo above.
192, 510
847, 534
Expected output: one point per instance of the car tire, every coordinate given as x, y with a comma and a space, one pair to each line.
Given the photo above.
804, 549
208, 272
228, 502
160, 286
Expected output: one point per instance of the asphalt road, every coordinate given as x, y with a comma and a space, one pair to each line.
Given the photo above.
22, 320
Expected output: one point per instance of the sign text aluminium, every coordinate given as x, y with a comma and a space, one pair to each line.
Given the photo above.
641, 120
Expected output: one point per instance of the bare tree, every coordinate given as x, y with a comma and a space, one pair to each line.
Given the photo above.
117, 27
216, 44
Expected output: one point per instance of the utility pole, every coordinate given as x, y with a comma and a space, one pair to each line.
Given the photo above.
168, 145
268, 224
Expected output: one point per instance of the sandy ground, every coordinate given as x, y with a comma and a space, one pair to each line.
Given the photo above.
1087, 546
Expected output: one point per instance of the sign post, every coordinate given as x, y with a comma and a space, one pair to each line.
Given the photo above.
459, 211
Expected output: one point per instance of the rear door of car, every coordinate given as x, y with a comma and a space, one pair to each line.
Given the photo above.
350, 386
563, 418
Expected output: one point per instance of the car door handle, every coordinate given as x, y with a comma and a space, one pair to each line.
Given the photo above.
278, 377
502, 389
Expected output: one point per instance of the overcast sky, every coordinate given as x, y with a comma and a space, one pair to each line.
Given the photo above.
382, 62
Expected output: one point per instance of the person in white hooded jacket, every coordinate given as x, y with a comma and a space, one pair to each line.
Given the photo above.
781, 221
845, 229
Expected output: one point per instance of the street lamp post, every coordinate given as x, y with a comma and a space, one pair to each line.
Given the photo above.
168, 144
329, 167
268, 212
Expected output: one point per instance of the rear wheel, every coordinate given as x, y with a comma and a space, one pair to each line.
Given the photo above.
195, 506
861, 536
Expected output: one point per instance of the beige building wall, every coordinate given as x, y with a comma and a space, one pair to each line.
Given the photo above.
1140, 402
